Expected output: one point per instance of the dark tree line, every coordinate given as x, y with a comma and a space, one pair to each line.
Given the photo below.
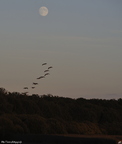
48, 114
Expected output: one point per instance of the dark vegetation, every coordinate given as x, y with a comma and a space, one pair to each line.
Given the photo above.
47, 114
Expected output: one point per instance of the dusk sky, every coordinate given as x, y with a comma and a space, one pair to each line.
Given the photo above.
81, 39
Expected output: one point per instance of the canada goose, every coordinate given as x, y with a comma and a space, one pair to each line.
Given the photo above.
46, 74
46, 70
24, 93
50, 67
44, 64
25, 87
35, 83
40, 77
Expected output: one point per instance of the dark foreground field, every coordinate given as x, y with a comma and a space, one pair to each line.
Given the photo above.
61, 139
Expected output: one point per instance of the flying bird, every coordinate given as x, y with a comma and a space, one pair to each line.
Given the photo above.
24, 93
35, 83
25, 87
40, 77
44, 64
46, 74
46, 70
50, 67
32, 87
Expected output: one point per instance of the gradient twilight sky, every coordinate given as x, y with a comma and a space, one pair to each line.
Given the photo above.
81, 39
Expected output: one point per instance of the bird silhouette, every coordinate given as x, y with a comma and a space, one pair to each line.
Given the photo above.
50, 67
44, 64
46, 74
46, 70
35, 83
25, 87
25, 93
40, 77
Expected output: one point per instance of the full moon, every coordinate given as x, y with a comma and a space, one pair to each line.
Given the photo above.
43, 11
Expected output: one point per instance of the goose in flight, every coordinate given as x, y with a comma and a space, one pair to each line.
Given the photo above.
46, 70
25, 87
40, 77
24, 93
44, 64
35, 83
50, 67
46, 74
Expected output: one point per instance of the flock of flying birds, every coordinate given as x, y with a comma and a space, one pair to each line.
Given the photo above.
46, 72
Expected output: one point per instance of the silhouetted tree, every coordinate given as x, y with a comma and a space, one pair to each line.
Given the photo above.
48, 114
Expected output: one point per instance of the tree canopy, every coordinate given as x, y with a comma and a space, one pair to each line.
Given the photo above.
48, 114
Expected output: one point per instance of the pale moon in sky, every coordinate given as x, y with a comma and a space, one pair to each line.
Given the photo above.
43, 11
